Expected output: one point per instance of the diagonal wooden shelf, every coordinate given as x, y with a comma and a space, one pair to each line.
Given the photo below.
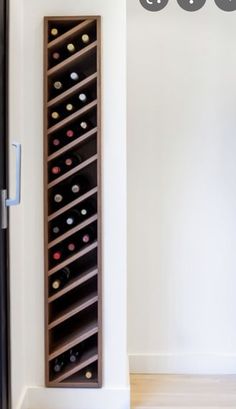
74, 309
76, 282
71, 172
70, 232
73, 117
73, 258
74, 58
70, 34
79, 383
71, 91
78, 141
77, 336
72, 204
86, 359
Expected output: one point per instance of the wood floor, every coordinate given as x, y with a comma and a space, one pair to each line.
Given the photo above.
181, 391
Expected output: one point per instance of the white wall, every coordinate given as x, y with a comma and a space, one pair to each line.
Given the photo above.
27, 221
181, 189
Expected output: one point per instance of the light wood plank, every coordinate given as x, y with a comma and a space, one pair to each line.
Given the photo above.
182, 391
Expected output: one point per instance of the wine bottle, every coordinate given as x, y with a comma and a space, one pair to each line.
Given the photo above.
65, 164
88, 374
56, 170
55, 115
56, 142
71, 247
74, 76
73, 356
57, 85
56, 56
70, 133
69, 107
56, 230
57, 255
70, 47
85, 38
85, 125
87, 236
77, 185
62, 278
54, 32
72, 160
58, 364
85, 211
83, 97
72, 218
59, 195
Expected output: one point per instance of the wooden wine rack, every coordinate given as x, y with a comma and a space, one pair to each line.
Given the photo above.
73, 312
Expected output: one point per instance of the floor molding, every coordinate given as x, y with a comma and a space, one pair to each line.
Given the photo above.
23, 404
61, 398
209, 364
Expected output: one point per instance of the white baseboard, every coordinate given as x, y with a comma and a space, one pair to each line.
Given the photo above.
52, 398
205, 364
23, 404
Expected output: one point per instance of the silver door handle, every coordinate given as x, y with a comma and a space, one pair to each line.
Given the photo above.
5, 203
16, 200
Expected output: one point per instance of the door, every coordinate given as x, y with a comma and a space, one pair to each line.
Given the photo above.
4, 299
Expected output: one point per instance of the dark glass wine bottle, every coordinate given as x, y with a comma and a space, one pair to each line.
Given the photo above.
72, 160
57, 255
71, 247
74, 76
56, 230
72, 218
74, 356
85, 125
85, 211
88, 374
70, 133
55, 115
87, 236
55, 142
56, 56
69, 107
58, 197
56, 170
69, 162
61, 280
58, 85
85, 38
54, 31
77, 185
58, 364
70, 47
82, 97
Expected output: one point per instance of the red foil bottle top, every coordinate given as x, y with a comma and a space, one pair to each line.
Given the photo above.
56, 170
56, 56
56, 142
70, 133
71, 247
86, 238
57, 255
68, 162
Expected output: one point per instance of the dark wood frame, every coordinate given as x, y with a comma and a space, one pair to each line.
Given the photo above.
47, 218
5, 386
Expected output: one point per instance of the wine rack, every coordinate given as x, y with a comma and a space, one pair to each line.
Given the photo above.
72, 201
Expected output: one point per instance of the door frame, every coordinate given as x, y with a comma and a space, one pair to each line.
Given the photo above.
5, 396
